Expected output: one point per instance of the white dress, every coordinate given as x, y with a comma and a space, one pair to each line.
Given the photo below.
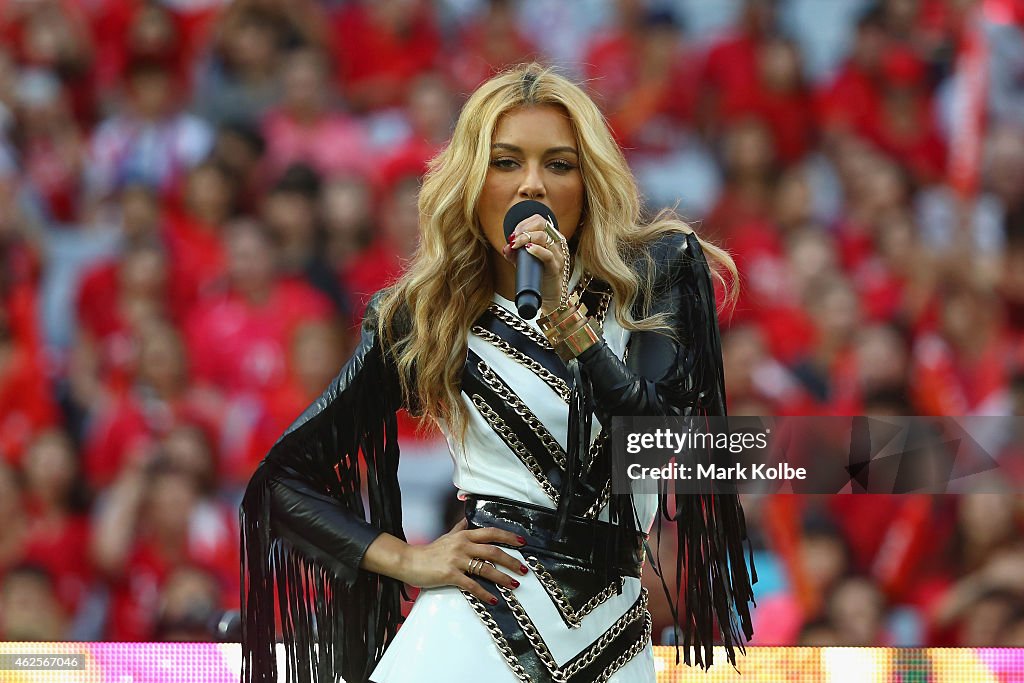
443, 639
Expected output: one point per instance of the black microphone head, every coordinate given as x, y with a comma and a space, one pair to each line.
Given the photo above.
523, 210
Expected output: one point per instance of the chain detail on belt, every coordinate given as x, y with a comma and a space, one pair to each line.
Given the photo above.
572, 616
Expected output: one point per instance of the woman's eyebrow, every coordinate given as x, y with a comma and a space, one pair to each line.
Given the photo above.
514, 148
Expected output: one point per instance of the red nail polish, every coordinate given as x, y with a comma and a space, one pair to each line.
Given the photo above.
494, 601
522, 568
515, 584
521, 539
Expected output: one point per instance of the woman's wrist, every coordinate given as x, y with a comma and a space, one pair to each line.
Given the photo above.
389, 556
569, 330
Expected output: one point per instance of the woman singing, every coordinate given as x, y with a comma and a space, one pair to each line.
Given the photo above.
541, 580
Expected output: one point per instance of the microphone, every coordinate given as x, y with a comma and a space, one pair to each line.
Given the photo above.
529, 269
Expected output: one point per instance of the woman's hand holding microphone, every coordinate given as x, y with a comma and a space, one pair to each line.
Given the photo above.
542, 240
563, 318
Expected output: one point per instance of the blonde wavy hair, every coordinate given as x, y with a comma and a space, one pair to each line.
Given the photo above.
449, 284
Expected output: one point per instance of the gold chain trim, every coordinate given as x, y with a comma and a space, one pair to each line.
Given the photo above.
593, 651
633, 650
556, 383
602, 309
594, 510
512, 440
572, 616
517, 323
519, 408
595, 448
492, 380
497, 636
637, 612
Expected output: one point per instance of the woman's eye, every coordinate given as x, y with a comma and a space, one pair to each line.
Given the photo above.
563, 166
503, 163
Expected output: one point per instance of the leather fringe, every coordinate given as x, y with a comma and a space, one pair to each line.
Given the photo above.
332, 628
710, 529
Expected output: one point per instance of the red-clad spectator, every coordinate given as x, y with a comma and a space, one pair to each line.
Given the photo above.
239, 147
780, 277
488, 45
346, 208
193, 236
317, 352
781, 98
52, 146
238, 340
748, 158
58, 529
963, 367
828, 370
850, 101
646, 80
54, 36
904, 126
154, 521
14, 529
430, 111
732, 61
111, 334
380, 46
133, 30
124, 426
896, 283
29, 607
26, 405
306, 130
398, 218
876, 190
290, 214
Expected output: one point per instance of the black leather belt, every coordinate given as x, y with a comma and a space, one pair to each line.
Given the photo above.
587, 543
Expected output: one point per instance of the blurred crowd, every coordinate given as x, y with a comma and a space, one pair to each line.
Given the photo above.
198, 197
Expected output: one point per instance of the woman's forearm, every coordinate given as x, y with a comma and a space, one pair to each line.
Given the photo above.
387, 555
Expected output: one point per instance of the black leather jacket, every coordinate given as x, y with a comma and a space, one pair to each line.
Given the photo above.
307, 491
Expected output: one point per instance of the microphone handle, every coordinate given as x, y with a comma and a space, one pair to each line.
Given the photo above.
529, 273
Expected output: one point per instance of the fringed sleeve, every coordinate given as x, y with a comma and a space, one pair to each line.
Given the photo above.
305, 529
680, 377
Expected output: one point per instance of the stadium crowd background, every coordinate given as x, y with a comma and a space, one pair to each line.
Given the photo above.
196, 199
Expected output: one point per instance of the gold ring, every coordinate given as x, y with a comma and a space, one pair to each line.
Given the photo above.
475, 565
553, 235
